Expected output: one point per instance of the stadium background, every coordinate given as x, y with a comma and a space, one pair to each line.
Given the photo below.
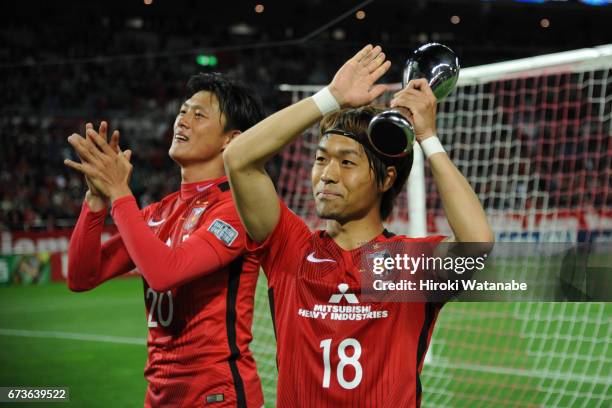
64, 63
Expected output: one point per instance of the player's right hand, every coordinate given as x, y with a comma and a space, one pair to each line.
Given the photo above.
417, 103
354, 83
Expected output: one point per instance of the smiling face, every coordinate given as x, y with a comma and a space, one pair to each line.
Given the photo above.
199, 133
343, 182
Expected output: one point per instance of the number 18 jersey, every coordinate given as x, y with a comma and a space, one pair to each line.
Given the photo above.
335, 349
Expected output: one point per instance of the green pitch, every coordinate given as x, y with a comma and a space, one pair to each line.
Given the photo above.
482, 354
93, 342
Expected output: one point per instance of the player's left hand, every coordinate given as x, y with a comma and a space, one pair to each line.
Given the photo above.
417, 103
108, 169
354, 83
114, 144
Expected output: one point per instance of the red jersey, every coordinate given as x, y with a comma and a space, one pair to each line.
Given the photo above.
198, 287
333, 348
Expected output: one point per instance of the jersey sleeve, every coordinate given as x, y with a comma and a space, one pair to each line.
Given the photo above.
90, 263
202, 253
434, 239
223, 231
283, 245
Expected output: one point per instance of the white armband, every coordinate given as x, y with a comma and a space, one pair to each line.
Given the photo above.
431, 146
325, 101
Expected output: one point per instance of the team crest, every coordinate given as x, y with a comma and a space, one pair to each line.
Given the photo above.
193, 218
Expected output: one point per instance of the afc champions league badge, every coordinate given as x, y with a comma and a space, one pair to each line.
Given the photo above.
193, 218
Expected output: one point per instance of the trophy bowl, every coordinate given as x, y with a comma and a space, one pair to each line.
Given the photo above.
390, 133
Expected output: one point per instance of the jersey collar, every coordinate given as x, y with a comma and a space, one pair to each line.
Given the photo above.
384, 236
190, 190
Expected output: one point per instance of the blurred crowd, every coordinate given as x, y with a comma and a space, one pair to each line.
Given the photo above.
44, 104
60, 74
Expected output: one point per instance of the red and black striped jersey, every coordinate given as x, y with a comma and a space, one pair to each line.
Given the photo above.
334, 348
190, 246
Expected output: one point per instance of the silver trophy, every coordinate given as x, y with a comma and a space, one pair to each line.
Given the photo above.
390, 133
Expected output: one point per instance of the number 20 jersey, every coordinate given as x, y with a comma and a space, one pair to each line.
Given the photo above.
199, 332
333, 348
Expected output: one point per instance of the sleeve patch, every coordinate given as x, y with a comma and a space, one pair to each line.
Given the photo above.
223, 231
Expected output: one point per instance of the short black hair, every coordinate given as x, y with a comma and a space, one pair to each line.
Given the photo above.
240, 105
356, 121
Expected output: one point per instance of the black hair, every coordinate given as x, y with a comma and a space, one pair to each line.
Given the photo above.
355, 122
240, 105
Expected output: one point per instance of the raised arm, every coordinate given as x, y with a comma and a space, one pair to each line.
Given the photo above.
162, 267
245, 158
463, 209
89, 262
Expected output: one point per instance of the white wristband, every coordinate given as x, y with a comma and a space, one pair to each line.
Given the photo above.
431, 146
325, 101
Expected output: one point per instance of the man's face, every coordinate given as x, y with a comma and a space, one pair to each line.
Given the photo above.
198, 130
344, 186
